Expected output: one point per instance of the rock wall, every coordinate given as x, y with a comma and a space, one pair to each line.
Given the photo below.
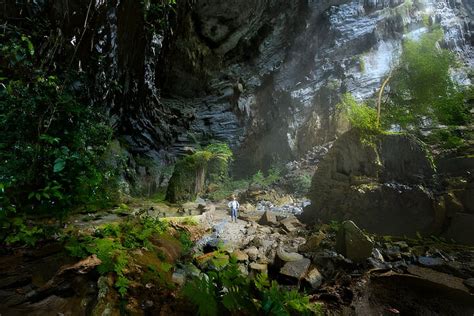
391, 187
386, 187
265, 76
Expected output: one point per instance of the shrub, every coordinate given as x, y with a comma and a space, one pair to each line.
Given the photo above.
52, 143
274, 174
360, 115
112, 243
228, 291
299, 184
226, 188
422, 91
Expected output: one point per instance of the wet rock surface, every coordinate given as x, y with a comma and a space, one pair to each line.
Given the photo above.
368, 277
352, 243
307, 258
389, 187
373, 186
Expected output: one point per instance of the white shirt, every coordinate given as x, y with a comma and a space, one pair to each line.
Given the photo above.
233, 204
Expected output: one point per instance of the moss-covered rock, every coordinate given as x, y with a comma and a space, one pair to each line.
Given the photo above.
383, 186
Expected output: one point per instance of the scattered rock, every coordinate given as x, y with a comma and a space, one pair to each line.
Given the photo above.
430, 262
290, 224
314, 278
312, 244
243, 268
295, 269
247, 207
268, 218
179, 277
288, 256
240, 256
377, 255
256, 268
252, 253
392, 252
265, 230
353, 243
201, 261
402, 245
202, 208
439, 278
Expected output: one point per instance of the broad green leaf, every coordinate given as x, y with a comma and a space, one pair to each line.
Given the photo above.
59, 165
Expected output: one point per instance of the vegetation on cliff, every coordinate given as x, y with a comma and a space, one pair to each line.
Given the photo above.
53, 139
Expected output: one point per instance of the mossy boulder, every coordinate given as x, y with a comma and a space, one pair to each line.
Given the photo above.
383, 185
353, 243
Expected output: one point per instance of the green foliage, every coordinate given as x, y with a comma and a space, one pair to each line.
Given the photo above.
421, 89
157, 13
122, 284
52, 142
360, 115
190, 221
335, 226
225, 189
228, 291
185, 240
218, 166
190, 172
16, 232
112, 242
448, 138
299, 184
274, 174
158, 274
201, 292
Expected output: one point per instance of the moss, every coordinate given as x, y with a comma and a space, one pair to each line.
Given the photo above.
362, 64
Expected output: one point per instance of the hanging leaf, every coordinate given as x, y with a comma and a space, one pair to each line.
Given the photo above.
31, 48
59, 165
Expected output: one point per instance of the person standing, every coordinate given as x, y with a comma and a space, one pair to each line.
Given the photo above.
234, 207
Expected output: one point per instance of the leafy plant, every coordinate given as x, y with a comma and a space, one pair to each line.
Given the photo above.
228, 291
52, 142
422, 91
191, 172
19, 233
112, 242
299, 184
185, 240
360, 115
274, 174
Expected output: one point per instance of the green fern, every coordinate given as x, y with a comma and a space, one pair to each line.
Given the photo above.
122, 284
201, 292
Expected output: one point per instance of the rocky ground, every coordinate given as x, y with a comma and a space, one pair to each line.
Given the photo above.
350, 271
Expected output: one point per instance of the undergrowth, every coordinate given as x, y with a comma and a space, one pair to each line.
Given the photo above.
112, 244
228, 291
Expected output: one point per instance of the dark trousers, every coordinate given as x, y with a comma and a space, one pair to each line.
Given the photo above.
233, 213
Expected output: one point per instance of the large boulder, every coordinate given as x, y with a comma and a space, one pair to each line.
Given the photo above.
268, 218
295, 270
460, 228
384, 186
353, 243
